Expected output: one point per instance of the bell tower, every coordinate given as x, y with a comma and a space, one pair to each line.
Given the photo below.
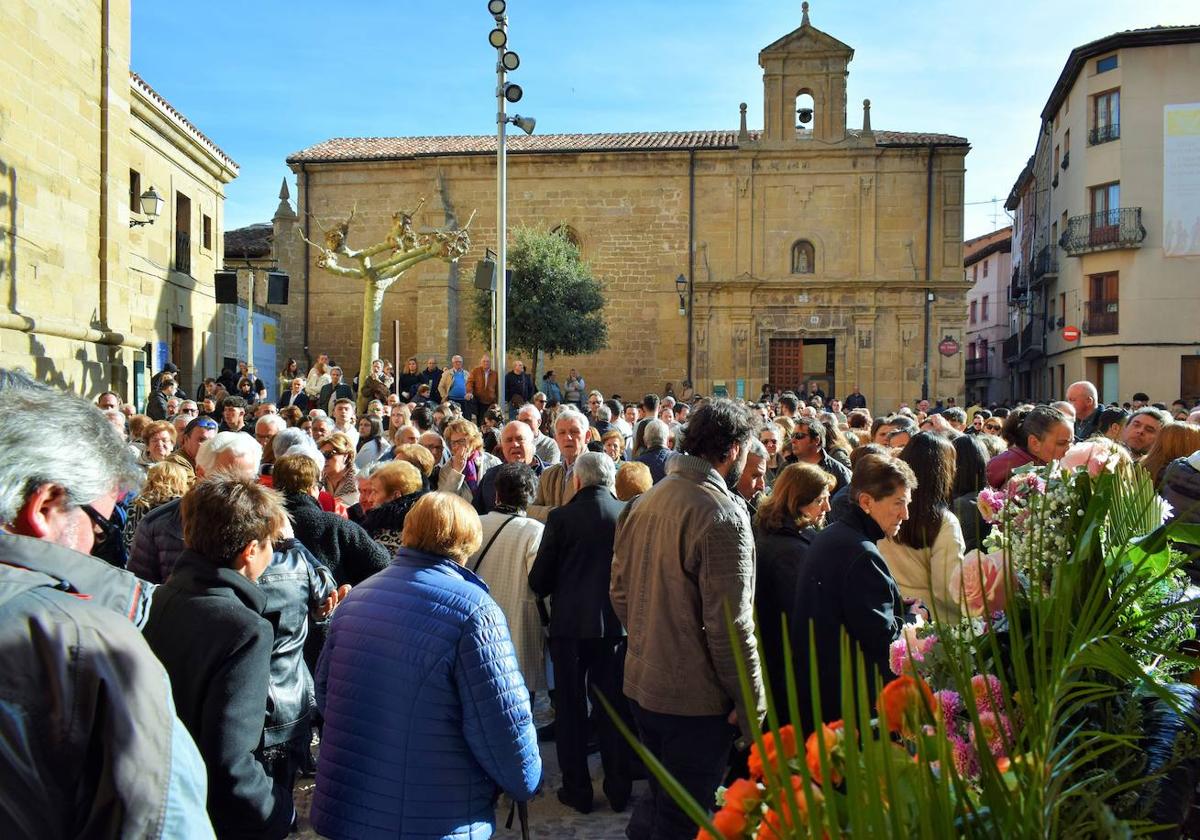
804, 86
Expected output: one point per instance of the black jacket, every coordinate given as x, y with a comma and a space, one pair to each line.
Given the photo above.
432, 378
573, 565
384, 524
207, 628
329, 391
518, 383
295, 584
484, 497
840, 472
408, 384
854, 401
656, 459
300, 403
156, 406
780, 557
344, 547
844, 585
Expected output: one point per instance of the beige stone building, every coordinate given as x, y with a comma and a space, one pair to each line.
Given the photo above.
88, 301
813, 252
1107, 233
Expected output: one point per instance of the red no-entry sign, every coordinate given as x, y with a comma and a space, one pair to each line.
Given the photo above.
1070, 333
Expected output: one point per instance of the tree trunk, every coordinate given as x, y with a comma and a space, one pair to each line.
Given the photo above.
372, 323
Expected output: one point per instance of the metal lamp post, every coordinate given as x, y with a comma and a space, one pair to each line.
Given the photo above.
506, 61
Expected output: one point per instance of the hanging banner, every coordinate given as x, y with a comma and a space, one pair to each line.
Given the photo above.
1181, 180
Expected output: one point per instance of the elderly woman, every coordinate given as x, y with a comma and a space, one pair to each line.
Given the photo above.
339, 476
159, 440
633, 479
371, 443
165, 481
614, 445
468, 462
845, 586
396, 487
784, 527
419, 663
510, 545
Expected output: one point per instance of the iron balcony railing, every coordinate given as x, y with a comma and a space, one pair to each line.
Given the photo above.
1104, 231
1104, 134
1019, 289
1103, 317
977, 367
1011, 347
183, 252
1045, 262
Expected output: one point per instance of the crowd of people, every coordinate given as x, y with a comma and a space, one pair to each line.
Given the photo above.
209, 588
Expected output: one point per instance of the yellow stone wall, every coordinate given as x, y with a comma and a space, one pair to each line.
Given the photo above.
863, 207
80, 293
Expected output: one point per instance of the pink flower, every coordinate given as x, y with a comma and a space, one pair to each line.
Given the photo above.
1096, 455
995, 730
950, 703
965, 759
978, 585
990, 503
989, 693
898, 656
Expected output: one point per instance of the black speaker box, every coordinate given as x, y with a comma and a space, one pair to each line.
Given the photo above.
485, 275
226, 286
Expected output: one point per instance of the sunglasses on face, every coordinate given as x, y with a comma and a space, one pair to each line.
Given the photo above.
103, 527
991, 427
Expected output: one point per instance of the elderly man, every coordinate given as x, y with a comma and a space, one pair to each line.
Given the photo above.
108, 400
294, 395
195, 433
336, 389
1085, 399
1142, 430
516, 447
88, 712
158, 541
587, 641
655, 454
543, 445
683, 556
454, 385
518, 387
482, 387
265, 429
555, 487
753, 480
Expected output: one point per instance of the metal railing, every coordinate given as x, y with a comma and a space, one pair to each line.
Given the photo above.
183, 252
1103, 317
977, 367
1045, 262
1108, 230
1011, 348
1104, 134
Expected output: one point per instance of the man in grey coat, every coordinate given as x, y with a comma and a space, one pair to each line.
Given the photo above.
684, 552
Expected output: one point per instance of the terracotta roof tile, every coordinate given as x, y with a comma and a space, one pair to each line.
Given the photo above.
249, 242
393, 148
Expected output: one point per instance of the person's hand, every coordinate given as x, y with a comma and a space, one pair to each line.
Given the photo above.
469, 397
733, 718
335, 598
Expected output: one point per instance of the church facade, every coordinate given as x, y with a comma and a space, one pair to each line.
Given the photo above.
808, 251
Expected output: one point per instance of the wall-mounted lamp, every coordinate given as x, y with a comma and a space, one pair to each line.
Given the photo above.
681, 286
152, 204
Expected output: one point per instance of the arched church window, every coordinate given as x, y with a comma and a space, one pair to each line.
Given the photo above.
803, 257
568, 233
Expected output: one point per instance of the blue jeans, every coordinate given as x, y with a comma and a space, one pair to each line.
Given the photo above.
695, 750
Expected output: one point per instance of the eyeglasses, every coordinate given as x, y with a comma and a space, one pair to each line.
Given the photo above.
992, 427
103, 528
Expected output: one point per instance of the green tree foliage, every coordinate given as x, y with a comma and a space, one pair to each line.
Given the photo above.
555, 305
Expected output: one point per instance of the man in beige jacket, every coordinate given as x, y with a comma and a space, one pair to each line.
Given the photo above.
684, 552
555, 487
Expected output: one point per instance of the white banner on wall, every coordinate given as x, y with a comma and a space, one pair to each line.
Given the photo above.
1181, 180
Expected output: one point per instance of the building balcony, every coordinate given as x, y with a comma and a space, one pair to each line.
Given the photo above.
1104, 134
1109, 230
977, 368
1012, 347
1102, 317
1018, 290
1044, 264
183, 252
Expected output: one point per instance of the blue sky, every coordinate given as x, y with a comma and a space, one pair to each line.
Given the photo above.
264, 78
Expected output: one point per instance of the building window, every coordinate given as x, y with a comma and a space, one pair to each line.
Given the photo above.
1103, 304
1106, 117
568, 233
975, 272
974, 311
206, 231
985, 267
1109, 62
183, 233
803, 257
135, 191
983, 309
1106, 212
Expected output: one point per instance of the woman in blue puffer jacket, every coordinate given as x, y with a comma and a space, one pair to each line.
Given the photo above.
426, 715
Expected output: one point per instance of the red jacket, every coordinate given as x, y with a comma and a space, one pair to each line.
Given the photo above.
1000, 468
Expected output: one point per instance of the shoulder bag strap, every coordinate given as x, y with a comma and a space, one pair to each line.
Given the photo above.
483, 553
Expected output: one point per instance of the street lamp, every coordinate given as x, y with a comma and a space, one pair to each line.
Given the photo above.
152, 204
506, 92
681, 285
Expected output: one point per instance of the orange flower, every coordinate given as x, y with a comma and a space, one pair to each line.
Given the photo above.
905, 702
771, 744
731, 824
1003, 764
832, 733
774, 823
743, 795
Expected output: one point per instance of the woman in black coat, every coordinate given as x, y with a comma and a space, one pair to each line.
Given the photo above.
845, 586
787, 521
397, 486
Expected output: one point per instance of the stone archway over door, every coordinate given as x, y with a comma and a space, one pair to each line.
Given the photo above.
794, 362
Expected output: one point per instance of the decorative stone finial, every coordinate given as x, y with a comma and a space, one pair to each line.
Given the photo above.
283, 190
804, 18
284, 210
743, 133
866, 129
